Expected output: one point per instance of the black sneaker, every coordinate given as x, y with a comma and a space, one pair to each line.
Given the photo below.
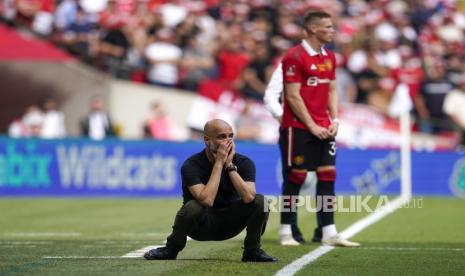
161, 253
257, 255
296, 234
317, 235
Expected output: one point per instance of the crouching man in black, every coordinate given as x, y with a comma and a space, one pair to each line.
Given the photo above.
219, 198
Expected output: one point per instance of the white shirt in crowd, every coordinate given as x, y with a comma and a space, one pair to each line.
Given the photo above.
358, 60
163, 71
98, 122
17, 129
53, 125
453, 105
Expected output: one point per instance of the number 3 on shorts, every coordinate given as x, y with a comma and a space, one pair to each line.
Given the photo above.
332, 150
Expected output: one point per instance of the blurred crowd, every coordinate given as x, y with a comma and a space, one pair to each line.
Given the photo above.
212, 46
48, 122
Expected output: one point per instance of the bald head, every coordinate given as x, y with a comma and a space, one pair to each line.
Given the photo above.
215, 133
215, 126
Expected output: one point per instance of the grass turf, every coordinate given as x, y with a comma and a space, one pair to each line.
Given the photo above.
426, 240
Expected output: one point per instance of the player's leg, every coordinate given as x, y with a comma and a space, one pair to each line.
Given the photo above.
312, 151
296, 233
317, 232
326, 196
294, 174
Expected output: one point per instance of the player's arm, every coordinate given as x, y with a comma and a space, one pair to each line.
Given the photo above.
273, 92
206, 194
296, 103
333, 109
246, 189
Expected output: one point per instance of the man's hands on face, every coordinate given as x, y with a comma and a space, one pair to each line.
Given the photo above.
231, 153
223, 151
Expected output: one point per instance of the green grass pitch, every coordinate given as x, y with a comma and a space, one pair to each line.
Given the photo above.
413, 241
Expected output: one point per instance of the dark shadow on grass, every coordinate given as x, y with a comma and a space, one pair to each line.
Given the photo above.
209, 259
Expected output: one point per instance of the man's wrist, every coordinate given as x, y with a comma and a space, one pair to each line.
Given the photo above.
335, 120
311, 126
218, 164
230, 167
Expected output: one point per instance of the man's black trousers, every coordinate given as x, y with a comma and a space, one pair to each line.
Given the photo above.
218, 224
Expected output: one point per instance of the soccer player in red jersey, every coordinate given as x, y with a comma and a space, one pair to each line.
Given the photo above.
309, 124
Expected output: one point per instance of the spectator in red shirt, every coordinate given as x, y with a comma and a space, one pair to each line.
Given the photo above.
231, 61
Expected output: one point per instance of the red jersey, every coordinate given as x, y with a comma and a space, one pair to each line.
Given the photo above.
314, 72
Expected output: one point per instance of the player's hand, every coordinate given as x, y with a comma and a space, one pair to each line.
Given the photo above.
231, 154
223, 151
320, 132
333, 128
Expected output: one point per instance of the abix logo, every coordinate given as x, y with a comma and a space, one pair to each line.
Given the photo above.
24, 168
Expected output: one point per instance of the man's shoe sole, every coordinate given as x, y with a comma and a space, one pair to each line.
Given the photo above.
262, 261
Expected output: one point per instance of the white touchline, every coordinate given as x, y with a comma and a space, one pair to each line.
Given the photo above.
106, 246
355, 228
150, 234
25, 242
140, 252
42, 234
374, 217
15, 246
133, 254
81, 257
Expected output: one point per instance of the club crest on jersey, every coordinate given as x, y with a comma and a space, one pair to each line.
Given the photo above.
326, 66
329, 64
299, 160
290, 71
